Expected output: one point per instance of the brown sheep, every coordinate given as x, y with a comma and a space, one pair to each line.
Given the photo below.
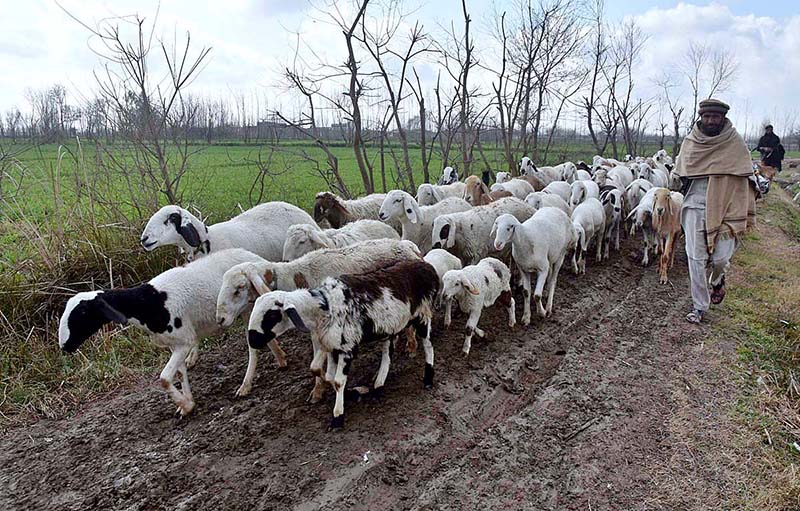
478, 194
667, 226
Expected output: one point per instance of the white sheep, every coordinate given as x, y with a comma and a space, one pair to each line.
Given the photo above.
475, 288
642, 216
619, 176
503, 177
428, 194
583, 175
304, 238
519, 188
582, 190
467, 234
589, 222
338, 211
541, 200
635, 191
344, 313
657, 177
560, 188
538, 245
417, 221
176, 307
442, 261
243, 283
261, 230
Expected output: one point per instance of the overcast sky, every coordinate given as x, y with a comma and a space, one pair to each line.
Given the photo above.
252, 40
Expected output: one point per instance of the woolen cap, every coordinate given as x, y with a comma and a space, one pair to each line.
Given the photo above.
713, 105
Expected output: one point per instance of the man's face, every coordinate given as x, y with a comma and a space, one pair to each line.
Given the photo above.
711, 123
769, 130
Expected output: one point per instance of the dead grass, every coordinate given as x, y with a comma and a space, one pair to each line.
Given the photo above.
762, 313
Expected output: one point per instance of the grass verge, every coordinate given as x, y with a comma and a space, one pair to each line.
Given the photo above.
762, 311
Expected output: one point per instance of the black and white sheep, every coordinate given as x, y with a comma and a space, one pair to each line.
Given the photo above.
261, 230
243, 283
176, 307
448, 177
338, 211
539, 245
304, 238
613, 202
475, 288
417, 221
344, 313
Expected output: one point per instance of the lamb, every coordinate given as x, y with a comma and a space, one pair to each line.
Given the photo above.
261, 230
428, 194
503, 177
589, 222
304, 238
526, 166
560, 188
539, 244
662, 157
667, 226
613, 204
417, 221
176, 308
581, 190
349, 311
477, 193
338, 211
243, 283
519, 188
541, 200
475, 288
448, 177
568, 171
467, 234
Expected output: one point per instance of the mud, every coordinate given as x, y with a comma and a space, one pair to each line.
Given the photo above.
568, 413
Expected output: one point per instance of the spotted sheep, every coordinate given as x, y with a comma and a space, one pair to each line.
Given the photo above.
244, 283
348, 311
261, 230
613, 202
477, 287
177, 308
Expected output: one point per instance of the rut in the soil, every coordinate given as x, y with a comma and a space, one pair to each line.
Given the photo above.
500, 428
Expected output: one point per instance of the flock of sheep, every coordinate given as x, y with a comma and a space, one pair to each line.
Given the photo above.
382, 269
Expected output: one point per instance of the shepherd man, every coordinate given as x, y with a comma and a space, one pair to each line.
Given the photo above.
719, 205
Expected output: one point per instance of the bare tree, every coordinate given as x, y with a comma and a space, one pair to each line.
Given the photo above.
709, 71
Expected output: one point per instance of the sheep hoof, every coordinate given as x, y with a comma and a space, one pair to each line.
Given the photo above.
243, 391
427, 379
337, 422
526, 320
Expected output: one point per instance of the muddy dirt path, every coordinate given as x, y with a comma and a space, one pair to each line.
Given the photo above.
569, 413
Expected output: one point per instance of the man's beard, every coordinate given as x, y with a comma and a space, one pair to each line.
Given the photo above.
710, 131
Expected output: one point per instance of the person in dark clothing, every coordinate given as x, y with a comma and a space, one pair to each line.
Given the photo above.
771, 149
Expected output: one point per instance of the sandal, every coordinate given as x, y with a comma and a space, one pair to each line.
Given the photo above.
718, 292
696, 316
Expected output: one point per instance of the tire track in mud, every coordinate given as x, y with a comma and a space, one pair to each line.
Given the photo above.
492, 433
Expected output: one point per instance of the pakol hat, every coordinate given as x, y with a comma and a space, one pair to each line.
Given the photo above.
712, 105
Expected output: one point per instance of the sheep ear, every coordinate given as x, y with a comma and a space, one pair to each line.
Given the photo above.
291, 312
110, 313
484, 188
316, 238
469, 287
187, 231
437, 195
257, 281
411, 210
493, 232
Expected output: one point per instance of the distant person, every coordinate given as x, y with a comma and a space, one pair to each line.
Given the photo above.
769, 145
719, 205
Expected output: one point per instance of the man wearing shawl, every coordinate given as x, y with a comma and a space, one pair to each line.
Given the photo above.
719, 205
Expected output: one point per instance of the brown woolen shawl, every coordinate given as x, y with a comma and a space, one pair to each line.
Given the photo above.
725, 161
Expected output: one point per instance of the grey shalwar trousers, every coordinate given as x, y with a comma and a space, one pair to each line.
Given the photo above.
693, 220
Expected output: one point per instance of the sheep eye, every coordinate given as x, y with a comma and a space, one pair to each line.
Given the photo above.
236, 292
301, 242
397, 201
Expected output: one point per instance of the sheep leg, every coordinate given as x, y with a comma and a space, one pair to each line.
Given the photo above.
316, 369
191, 359
541, 277
448, 308
280, 355
616, 241
525, 277
598, 240
512, 312
427, 379
472, 327
176, 361
552, 284
247, 383
646, 240
339, 384
185, 388
383, 370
